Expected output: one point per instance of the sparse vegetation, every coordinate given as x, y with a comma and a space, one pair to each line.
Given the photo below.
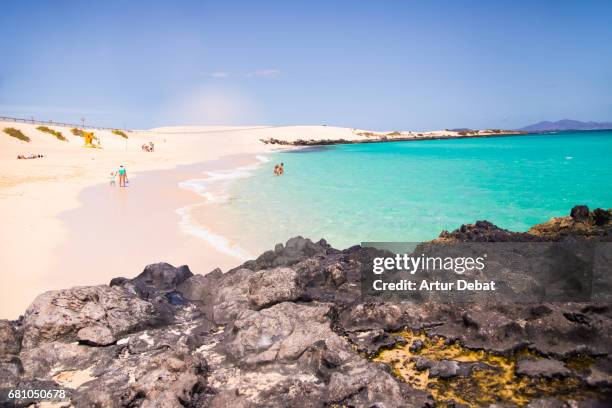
120, 133
16, 133
77, 132
367, 134
396, 133
55, 133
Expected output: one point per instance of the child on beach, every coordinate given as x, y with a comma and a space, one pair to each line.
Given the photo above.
112, 178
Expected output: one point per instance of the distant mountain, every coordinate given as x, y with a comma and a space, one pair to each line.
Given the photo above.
566, 124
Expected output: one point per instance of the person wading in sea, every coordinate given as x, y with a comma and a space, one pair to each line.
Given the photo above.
279, 169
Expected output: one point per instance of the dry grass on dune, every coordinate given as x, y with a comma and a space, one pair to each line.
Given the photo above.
55, 133
16, 133
120, 133
77, 132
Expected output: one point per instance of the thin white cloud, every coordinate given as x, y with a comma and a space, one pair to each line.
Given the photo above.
220, 74
264, 73
268, 73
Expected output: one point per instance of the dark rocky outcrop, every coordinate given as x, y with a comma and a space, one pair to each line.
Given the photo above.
542, 367
580, 213
374, 137
273, 286
155, 278
295, 250
601, 217
484, 231
580, 223
10, 345
85, 313
291, 328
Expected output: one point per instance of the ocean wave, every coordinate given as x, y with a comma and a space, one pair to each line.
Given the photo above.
240, 172
213, 188
220, 243
201, 186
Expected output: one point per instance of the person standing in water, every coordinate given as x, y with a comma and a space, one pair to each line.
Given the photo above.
122, 176
279, 170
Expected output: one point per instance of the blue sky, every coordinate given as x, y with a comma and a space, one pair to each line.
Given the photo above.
379, 65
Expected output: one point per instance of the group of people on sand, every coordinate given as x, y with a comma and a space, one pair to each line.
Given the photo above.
279, 169
122, 173
148, 147
29, 156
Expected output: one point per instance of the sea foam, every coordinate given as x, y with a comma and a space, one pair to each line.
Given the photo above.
213, 188
220, 243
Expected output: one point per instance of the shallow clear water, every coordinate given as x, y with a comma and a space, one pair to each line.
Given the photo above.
410, 191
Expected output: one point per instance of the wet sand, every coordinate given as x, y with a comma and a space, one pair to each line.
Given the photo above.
138, 225
117, 231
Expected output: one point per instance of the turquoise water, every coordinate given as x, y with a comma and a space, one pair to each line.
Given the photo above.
410, 191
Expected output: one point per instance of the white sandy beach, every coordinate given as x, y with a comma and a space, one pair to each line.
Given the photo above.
36, 253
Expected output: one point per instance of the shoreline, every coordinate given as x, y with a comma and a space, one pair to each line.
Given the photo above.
146, 226
196, 218
386, 138
382, 138
37, 192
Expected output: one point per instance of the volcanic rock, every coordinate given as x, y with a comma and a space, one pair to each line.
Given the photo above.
61, 314
580, 213
541, 368
273, 286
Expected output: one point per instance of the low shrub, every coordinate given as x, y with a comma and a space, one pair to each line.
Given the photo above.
55, 133
367, 134
77, 132
120, 133
16, 133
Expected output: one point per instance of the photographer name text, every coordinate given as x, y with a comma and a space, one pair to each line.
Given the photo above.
425, 285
